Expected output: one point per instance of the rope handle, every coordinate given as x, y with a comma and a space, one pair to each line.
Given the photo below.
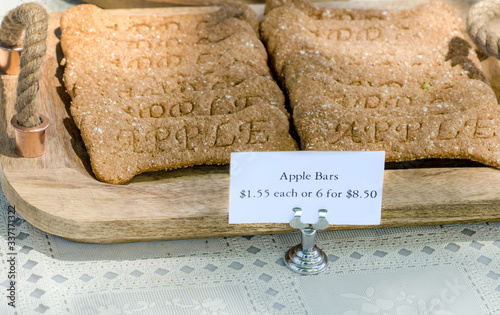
31, 20
480, 14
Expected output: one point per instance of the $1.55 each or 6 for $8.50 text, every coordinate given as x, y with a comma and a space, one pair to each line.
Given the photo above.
321, 193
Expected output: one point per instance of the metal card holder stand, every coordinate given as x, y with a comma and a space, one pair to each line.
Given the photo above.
306, 258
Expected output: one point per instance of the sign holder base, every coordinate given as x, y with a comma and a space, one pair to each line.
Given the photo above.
306, 258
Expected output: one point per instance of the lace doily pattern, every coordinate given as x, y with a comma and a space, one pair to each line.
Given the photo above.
419, 270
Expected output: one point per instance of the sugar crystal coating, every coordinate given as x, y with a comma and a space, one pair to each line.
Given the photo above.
403, 81
156, 93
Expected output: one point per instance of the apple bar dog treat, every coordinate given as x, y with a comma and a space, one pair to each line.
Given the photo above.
156, 93
406, 82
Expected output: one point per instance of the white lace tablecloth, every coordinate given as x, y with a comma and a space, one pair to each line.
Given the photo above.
420, 270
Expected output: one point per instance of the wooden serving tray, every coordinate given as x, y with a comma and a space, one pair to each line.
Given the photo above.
58, 193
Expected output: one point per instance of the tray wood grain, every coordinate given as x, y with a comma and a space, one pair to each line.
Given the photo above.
57, 192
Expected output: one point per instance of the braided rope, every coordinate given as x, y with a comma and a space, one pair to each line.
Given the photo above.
32, 20
478, 18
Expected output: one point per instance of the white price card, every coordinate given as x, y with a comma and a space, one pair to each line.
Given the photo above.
266, 186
